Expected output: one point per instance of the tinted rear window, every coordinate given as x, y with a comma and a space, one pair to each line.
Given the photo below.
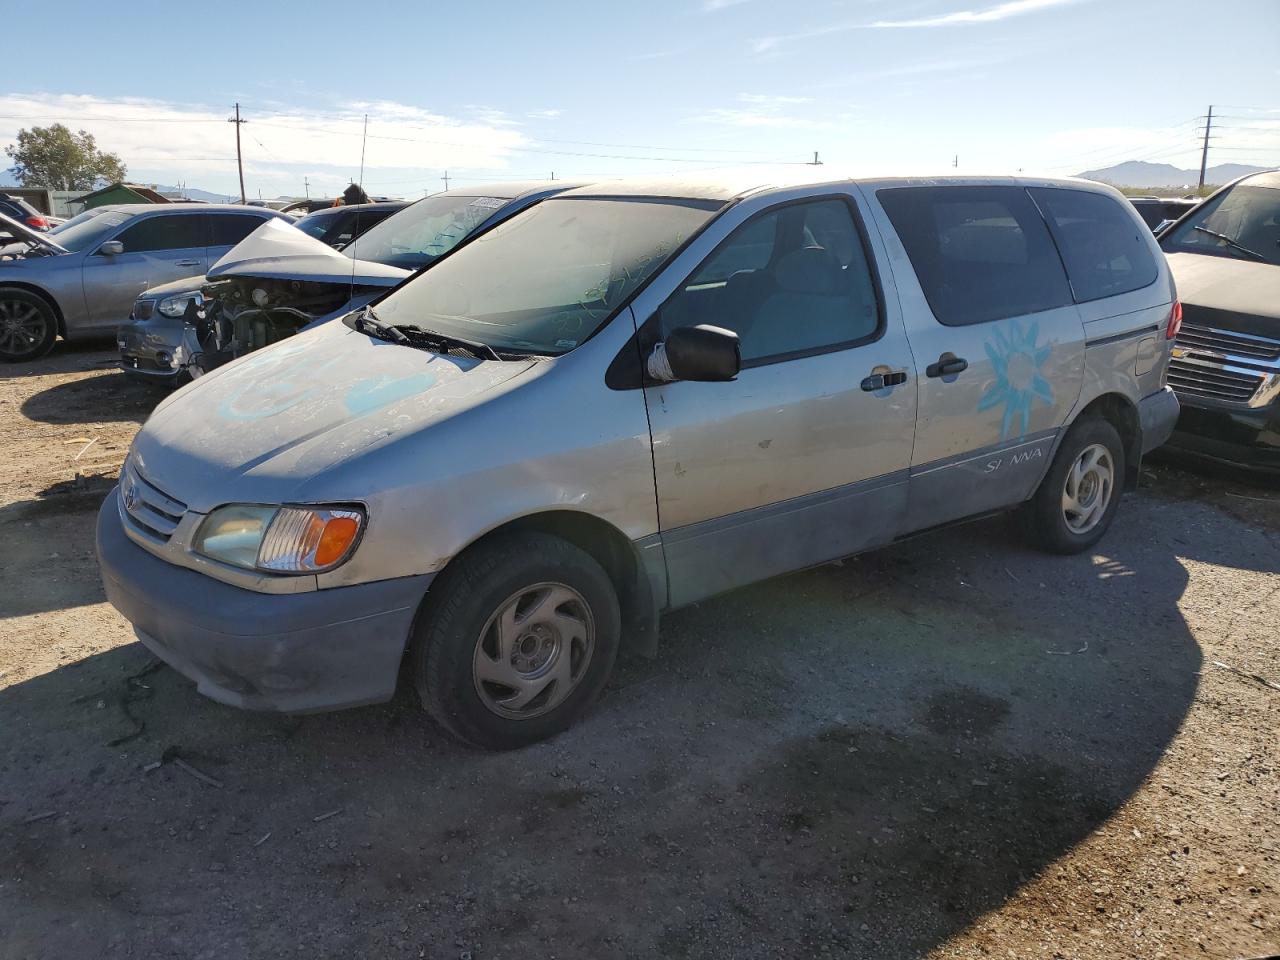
1106, 252
228, 229
980, 253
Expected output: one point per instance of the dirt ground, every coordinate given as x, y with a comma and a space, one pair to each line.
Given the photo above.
954, 747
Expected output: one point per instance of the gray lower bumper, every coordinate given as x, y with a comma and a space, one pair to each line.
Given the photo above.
1158, 414
288, 652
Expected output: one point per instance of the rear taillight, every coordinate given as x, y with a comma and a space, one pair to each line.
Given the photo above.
1175, 321
40, 223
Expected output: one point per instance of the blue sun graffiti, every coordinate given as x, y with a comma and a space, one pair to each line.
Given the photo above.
1016, 361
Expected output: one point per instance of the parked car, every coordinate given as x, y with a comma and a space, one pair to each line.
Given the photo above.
18, 209
281, 279
1157, 212
301, 208
1226, 361
338, 226
80, 280
626, 399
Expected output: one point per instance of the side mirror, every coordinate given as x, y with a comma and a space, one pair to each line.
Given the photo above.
702, 353
112, 248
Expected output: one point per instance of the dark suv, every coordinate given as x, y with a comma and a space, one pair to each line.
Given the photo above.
23, 212
1225, 259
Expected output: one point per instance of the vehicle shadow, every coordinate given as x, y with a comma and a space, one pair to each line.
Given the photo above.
112, 397
862, 759
67, 357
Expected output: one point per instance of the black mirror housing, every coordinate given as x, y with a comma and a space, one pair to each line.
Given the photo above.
703, 353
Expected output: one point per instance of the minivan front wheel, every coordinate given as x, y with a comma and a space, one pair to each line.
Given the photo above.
516, 640
1079, 495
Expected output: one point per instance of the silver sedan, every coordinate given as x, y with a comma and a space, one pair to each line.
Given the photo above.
80, 279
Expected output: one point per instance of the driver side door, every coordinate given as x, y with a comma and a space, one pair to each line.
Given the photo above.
158, 248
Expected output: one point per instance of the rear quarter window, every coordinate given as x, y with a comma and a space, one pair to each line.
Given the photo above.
980, 253
1105, 250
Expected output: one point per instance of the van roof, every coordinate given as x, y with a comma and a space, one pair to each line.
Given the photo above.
736, 184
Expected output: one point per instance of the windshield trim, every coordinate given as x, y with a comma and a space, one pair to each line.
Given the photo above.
717, 209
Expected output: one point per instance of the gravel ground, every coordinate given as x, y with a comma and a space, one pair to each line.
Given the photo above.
954, 747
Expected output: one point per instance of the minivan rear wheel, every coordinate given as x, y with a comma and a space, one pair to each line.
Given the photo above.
516, 639
28, 327
1078, 497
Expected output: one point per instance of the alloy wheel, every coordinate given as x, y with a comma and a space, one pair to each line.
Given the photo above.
1088, 489
533, 651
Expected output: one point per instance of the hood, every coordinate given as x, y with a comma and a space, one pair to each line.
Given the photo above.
278, 250
24, 234
1240, 295
172, 288
261, 427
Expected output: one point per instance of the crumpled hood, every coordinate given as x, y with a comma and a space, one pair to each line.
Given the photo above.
1241, 295
278, 250
261, 427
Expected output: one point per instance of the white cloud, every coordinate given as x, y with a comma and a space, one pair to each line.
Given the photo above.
166, 142
1001, 11
544, 114
761, 110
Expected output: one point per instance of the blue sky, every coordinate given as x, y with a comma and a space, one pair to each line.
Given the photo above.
491, 90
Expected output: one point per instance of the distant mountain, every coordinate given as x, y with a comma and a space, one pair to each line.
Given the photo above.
1139, 173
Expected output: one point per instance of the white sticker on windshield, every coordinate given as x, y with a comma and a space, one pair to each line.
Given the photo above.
491, 203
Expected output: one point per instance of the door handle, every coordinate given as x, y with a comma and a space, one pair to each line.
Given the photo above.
186, 263
947, 365
878, 381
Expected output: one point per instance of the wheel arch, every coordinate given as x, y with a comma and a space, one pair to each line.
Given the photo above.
608, 546
1122, 413
44, 295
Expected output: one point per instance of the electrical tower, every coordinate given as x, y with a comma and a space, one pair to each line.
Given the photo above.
1204, 154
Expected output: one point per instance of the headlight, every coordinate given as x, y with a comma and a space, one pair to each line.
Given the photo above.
176, 306
280, 539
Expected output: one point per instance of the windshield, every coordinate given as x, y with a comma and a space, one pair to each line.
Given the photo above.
1243, 222
424, 231
318, 224
87, 229
545, 280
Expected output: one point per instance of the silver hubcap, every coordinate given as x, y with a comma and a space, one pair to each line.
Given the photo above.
1088, 490
533, 651
22, 327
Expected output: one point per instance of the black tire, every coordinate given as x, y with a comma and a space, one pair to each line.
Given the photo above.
28, 327
459, 606
1044, 519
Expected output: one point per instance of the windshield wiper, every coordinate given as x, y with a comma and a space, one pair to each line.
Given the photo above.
367, 322
1231, 241
449, 340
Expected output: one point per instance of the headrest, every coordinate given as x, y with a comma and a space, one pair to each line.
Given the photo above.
810, 270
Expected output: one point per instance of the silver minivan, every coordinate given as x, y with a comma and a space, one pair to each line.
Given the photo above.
623, 400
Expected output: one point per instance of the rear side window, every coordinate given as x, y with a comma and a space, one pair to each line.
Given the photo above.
1105, 251
228, 229
980, 253
172, 232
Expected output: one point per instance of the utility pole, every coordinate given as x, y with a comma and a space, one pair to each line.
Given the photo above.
1204, 154
815, 162
445, 178
956, 162
239, 160
306, 186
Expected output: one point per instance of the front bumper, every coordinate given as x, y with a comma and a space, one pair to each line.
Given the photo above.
1239, 436
152, 349
1157, 415
293, 653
